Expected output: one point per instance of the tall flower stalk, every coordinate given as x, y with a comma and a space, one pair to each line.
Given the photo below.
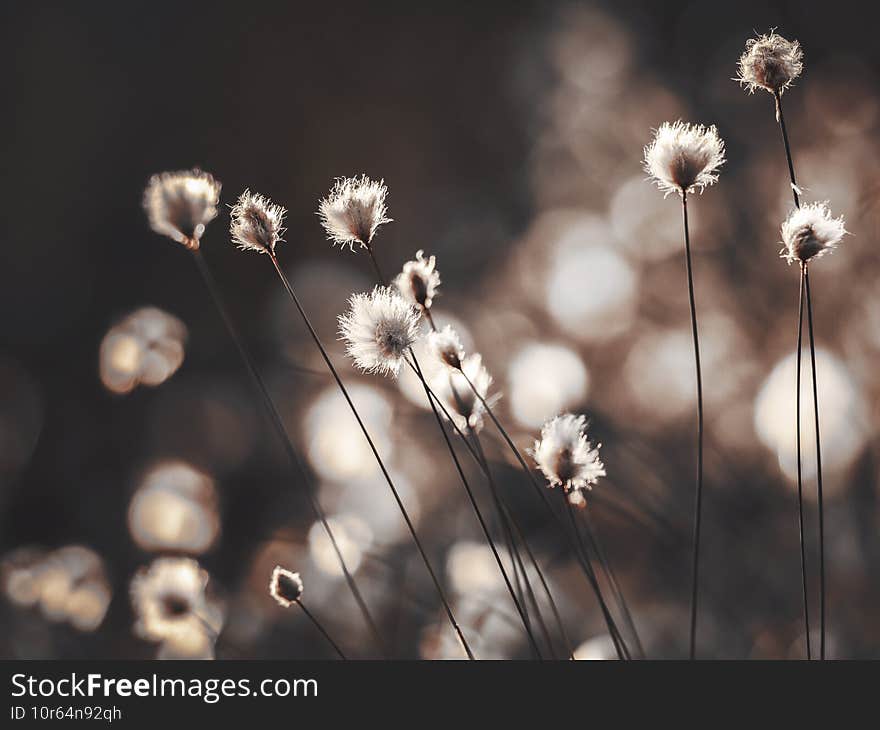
772, 63
179, 205
685, 158
255, 228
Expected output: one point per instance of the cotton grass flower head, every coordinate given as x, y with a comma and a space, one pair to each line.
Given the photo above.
353, 211
180, 204
683, 157
457, 396
379, 329
810, 232
255, 223
285, 586
446, 347
169, 598
566, 456
419, 280
770, 62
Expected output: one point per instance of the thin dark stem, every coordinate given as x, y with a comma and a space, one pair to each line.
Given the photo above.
781, 119
698, 497
321, 629
581, 556
818, 468
287, 444
418, 543
593, 537
515, 557
800, 483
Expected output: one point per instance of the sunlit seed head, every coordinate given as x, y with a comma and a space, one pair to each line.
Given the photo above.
810, 232
169, 598
566, 456
683, 157
255, 223
446, 347
180, 204
770, 62
379, 328
419, 280
285, 586
461, 403
354, 210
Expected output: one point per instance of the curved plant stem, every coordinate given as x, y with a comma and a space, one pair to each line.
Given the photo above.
321, 629
292, 454
800, 482
698, 497
412, 530
818, 468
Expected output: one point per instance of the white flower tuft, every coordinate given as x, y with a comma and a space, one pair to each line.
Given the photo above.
683, 157
810, 232
446, 347
170, 601
419, 280
379, 328
353, 210
452, 388
770, 62
285, 586
180, 204
255, 223
565, 455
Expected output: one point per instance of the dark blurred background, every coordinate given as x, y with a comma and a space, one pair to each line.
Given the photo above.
510, 136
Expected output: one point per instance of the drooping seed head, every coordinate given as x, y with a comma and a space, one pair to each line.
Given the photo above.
419, 280
353, 211
255, 223
379, 329
445, 345
566, 456
684, 157
180, 204
285, 586
451, 386
770, 62
810, 232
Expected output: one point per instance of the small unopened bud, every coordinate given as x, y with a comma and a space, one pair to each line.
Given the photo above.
285, 586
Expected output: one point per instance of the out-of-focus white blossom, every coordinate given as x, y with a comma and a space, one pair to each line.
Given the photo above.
285, 586
566, 456
446, 347
457, 396
180, 204
418, 281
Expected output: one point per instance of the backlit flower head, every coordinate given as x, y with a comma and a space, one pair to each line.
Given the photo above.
419, 280
180, 204
169, 599
353, 210
683, 157
285, 586
566, 456
810, 232
770, 62
446, 347
255, 223
379, 328
457, 396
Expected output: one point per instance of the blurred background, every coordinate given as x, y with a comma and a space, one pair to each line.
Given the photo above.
510, 137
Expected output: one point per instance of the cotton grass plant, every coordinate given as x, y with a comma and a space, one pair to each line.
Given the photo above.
684, 158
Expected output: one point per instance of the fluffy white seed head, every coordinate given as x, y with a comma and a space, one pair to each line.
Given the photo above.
445, 345
683, 157
810, 232
378, 329
353, 211
419, 280
180, 204
285, 586
566, 456
457, 396
170, 601
770, 62
255, 223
